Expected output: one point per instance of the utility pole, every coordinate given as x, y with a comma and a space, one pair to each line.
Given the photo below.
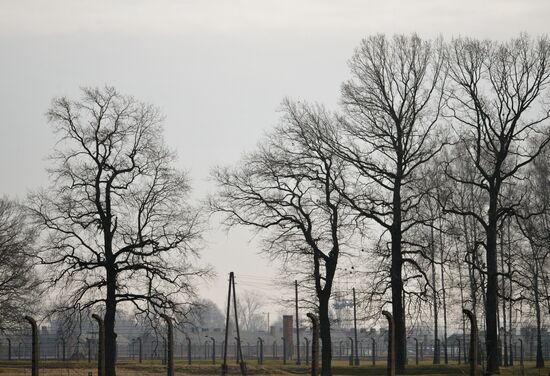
356, 362
224, 365
240, 359
297, 325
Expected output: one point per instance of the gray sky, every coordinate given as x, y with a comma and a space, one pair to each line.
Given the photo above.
217, 69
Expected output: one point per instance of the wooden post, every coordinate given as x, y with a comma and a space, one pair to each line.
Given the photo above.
391, 343
170, 354
225, 343
35, 345
314, 344
472, 357
351, 352
101, 346
242, 363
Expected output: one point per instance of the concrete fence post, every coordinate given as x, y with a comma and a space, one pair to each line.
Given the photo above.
188, 349
314, 344
416, 350
459, 352
9, 348
373, 352
100, 346
261, 351
140, 349
284, 349
473, 351
170, 350
307, 349
391, 343
35, 345
520, 352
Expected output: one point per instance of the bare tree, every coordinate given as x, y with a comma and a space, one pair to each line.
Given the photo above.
534, 224
286, 190
117, 226
250, 305
18, 280
498, 101
393, 103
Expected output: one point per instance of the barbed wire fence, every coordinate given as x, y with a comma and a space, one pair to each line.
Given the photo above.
147, 354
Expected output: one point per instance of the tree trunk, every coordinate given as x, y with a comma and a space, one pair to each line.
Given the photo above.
540, 359
110, 335
324, 331
462, 305
434, 290
492, 285
397, 302
397, 281
504, 342
509, 262
444, 296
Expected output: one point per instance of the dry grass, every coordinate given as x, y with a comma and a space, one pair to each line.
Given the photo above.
150, 368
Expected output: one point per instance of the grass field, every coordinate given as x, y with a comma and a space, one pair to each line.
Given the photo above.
149, 368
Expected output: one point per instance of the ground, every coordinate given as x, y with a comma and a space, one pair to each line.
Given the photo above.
155, 368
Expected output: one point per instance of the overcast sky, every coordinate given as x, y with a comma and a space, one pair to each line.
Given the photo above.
217, 69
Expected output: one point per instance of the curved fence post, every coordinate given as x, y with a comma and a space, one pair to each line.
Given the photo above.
472, 357
314, 344
100, 346
170, 354
391, 344
35, 345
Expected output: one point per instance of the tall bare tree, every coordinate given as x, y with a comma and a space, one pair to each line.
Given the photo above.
18, 281
392, 102
117, 226
286, 190
498, 101
250, 305
534, 225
